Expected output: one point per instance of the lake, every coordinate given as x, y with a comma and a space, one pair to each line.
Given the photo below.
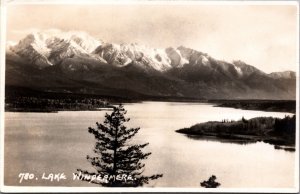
59, 142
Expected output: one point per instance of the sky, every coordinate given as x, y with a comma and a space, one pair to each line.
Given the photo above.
264, 36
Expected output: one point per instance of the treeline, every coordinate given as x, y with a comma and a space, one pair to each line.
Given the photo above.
285, 128
35, 104
266, 105
22, 99
273, 130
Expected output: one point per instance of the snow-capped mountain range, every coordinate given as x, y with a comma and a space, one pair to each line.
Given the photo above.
149, 71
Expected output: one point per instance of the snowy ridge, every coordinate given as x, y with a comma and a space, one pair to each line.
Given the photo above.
52, 47
125, 54
77, 62
49, 48
80, 50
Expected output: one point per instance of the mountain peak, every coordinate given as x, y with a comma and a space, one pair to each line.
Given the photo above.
50, 47
136, 68
245, 68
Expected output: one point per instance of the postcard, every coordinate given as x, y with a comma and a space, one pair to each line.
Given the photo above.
148, 96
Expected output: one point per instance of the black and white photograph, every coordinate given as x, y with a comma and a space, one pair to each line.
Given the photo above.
120, 96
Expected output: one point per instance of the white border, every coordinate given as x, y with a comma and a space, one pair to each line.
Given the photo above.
2, 86
297, 105
23, 189
153, 2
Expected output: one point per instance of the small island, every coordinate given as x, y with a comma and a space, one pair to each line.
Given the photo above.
279, 132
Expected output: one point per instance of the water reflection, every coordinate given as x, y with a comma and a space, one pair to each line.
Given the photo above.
222, 140
285, 148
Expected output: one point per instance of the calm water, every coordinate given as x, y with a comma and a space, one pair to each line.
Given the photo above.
59, 142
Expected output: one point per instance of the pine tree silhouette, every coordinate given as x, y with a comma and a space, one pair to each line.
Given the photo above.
117, 163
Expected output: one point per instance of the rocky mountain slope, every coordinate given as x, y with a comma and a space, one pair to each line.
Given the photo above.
76, 62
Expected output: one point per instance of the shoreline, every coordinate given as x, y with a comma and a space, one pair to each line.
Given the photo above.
288, 106
275, 131
55, 110
237, 139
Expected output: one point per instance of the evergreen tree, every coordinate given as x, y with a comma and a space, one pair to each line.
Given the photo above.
117, 163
